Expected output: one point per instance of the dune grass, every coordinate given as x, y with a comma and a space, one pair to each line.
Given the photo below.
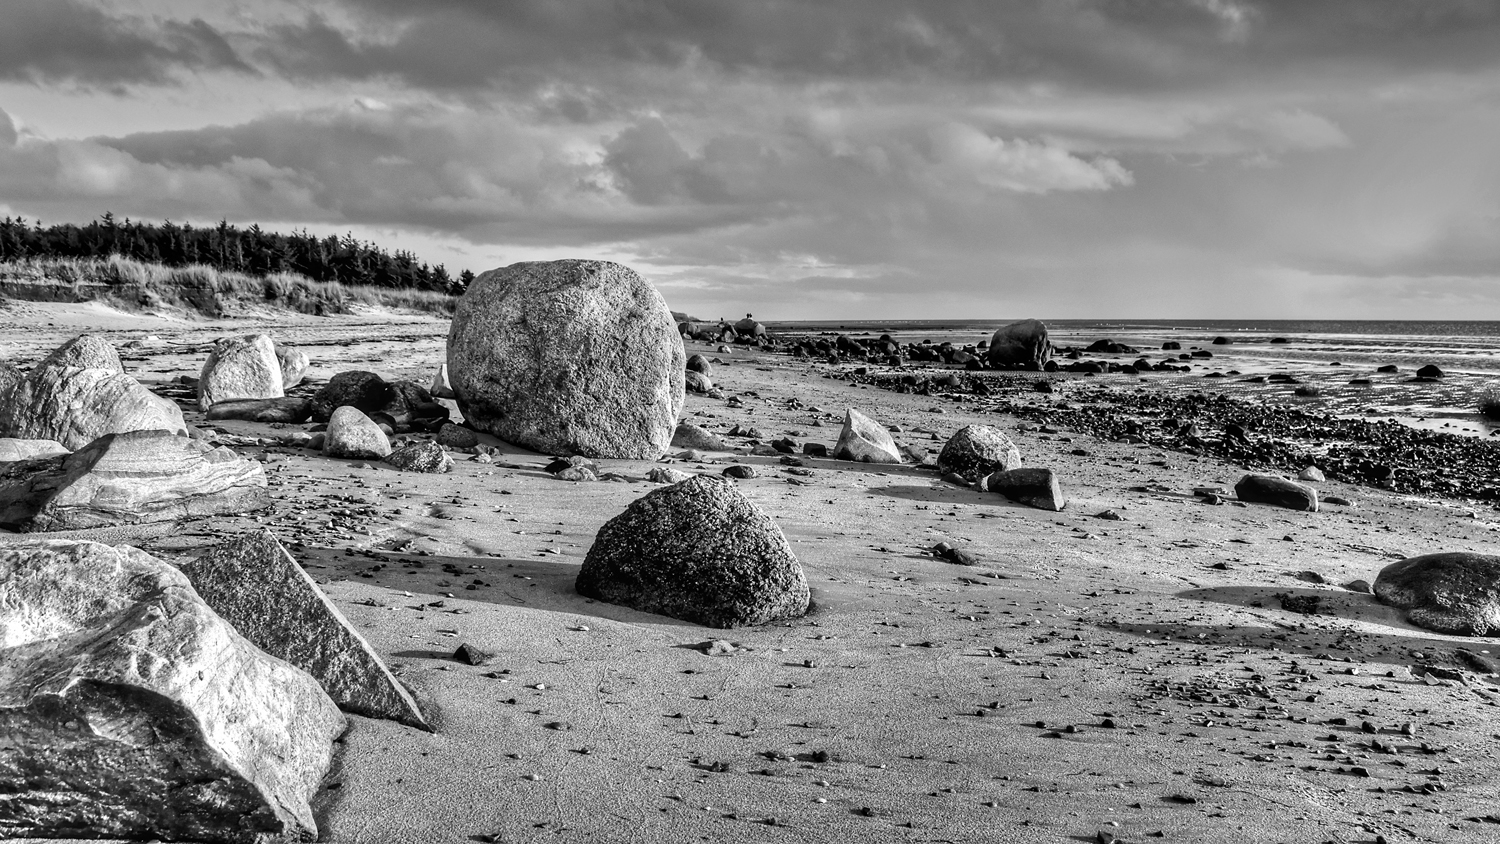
132, 285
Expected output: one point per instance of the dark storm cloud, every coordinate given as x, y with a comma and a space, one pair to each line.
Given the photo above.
68, 41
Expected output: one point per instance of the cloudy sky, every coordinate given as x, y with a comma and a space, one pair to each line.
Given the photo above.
807, 159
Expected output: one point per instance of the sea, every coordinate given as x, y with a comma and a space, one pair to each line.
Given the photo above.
1325, 355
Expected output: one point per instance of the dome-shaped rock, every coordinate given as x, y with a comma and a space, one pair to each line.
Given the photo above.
1456, 592
1024, 343
978, 450
244, 367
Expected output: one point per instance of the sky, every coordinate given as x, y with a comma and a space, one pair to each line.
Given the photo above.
807, 159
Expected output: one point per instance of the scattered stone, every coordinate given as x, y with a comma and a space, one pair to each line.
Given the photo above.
401, 405
1313, 474
133, 710
73, 406
1272, 489
667, 475
470, 655
513, 356
697, 382
287, 410
815, 449
1033, 487
255, 585
243, 367
739, 472
699, 551
426, 457
958, 556
133, 478
1362, 586
86, 351
354, 436
865, 440
1454, 592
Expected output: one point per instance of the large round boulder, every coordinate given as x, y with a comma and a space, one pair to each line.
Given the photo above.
1456, 592
1023, 344
243, 367
978, 450
700, 551
568, 357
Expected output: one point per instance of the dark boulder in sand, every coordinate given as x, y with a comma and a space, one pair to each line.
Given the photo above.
748, 327
255, 585
864, 440
74, 406
453, 435
244, 367
86, 351
1273, 489
699, 363
700, 551
427, 457
286, 410
1430, 372
125, 479
1034, 487
1456, 592
130, 709
978, 450
403, 405
568, 357
1024, 343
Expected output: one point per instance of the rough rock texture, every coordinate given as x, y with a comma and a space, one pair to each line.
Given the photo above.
286, 409
1271, 489
132, 710
667, 475
254, 584
688, 435
244, 367
978, 450
403, 405
294, 364
699, 551
86, 351
1023, 343
12, 449
1034, 487
126, 479
354, 435
426, 457
1456, 592
75, 406
456, 436
865, 440
697, 382
748, 327
568, 357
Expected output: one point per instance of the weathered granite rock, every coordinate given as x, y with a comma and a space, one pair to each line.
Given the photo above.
978, 450
353, 435
697, 382
12, 449
667, 475
243, 367
255, 585
428, 457
294, 365
287, 409
456, 436
1024, 343
568, 357
132, 710
864, 440
86, 351
699, 551
1034, 487
1271, 489
125, 479
1455, 592
75, 406
688, 435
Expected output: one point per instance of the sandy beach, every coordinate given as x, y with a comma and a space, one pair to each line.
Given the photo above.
1183, 672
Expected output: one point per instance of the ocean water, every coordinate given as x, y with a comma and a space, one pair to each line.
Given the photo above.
1327, 354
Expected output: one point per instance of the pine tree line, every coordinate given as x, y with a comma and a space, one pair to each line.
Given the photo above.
229, 248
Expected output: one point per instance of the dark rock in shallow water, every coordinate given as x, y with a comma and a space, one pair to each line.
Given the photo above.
1430, 371
254, 584
130, 709
978, 450
1456, 592
699, 551
1271, 489
1034, 487
1024, 343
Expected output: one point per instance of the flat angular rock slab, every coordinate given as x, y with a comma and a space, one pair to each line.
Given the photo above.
1455, 592
700, 551
86, 351
568, 357
127, 479
1034, 487
75, 406
12, 449
131, 710
978, 450
864, 440
244, 367
353, 435
1273, 489
255, 585
287, 410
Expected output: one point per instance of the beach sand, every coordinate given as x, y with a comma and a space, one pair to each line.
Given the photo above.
1138, 677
